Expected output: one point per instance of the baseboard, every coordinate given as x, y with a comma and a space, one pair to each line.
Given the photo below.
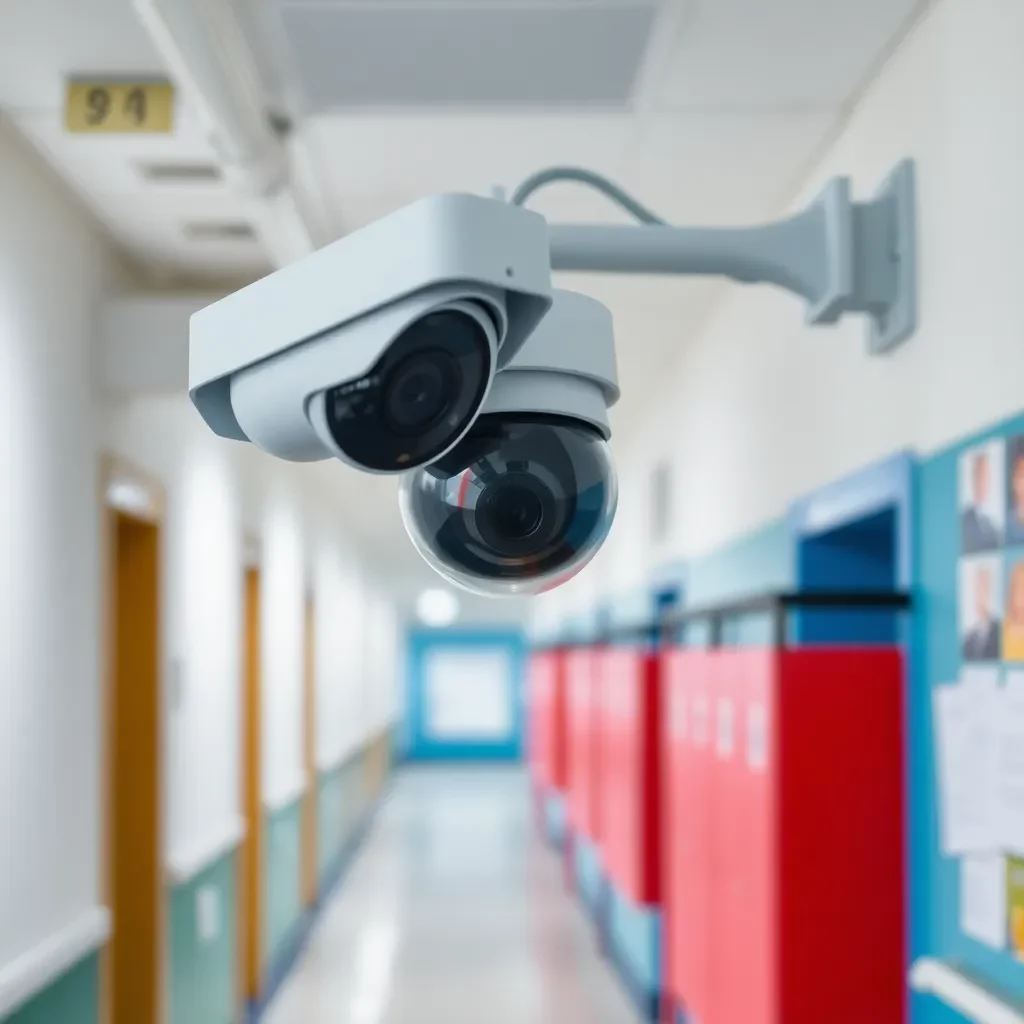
648, 1003
38, 968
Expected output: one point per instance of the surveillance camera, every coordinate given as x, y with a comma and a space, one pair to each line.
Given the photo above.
381, 348
528, 495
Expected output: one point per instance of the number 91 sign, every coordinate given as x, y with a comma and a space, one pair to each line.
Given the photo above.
119, 107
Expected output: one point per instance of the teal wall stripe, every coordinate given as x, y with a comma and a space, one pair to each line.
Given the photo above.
71, 999
203, 953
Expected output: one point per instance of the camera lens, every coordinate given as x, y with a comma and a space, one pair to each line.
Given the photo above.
515, 515
420, 397
419, 390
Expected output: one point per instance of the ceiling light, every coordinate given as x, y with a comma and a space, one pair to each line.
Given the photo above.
437, 608
128, 496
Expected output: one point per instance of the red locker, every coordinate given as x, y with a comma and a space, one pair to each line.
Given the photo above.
547, 738
630, 771
582, 711
689, 683
804, 919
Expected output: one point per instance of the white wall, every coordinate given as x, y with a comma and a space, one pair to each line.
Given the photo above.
53, 268
283, 592
761, 409
220, 495
340, 654
382, 699
202, 605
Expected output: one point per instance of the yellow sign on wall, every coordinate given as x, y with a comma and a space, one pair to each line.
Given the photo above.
119, 106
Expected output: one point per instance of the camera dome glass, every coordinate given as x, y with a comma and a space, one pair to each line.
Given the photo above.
518, 506
421, 395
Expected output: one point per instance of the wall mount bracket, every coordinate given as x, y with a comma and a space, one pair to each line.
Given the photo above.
841, 256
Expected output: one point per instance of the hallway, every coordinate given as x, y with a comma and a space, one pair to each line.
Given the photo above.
454, 913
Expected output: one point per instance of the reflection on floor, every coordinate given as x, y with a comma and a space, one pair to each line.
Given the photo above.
454, 913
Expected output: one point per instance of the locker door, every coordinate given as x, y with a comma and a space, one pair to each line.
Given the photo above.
558, 724
751, 913
541, 707
578, 679
687, 828
726, 970
621, 680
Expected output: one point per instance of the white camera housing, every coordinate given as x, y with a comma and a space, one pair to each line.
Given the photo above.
526, 498
288, 361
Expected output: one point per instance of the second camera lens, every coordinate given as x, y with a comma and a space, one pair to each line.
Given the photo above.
516, 515
515, 511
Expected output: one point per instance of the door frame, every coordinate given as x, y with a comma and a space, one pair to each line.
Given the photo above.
127, 491
310, 844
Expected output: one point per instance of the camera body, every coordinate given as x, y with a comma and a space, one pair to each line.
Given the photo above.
431, 344
379, 349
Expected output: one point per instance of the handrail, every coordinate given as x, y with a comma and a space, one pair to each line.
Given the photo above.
962, 994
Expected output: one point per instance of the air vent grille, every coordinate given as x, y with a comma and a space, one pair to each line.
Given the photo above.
220, 231
169, 173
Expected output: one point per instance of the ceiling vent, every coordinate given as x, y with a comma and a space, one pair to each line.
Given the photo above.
220, 231
522, 53
169, 173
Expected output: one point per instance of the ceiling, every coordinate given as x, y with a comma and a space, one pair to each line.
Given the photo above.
710, 111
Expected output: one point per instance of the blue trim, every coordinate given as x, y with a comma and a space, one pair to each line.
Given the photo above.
591, 883
419, 745
285, 962
556, 819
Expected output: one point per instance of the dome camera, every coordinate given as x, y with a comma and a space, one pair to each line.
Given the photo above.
527, 497
379, 349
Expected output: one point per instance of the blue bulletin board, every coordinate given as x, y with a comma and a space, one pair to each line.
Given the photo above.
955, 544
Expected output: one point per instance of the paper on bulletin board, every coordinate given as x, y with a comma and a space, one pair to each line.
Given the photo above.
967, 750
983, 899
1010, 763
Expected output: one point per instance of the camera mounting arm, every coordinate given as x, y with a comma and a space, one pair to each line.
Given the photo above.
839, 255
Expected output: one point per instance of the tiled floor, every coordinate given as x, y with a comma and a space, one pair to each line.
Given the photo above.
454, 913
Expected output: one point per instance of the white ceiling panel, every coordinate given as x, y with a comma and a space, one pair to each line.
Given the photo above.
757, 54
467, 54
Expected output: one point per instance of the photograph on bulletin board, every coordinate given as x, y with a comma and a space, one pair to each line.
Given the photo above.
982, 498
981, 611
1015, 491
1015, 900
1013, 622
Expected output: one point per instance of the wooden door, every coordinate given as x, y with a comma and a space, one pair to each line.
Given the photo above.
250, 946
135, 874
